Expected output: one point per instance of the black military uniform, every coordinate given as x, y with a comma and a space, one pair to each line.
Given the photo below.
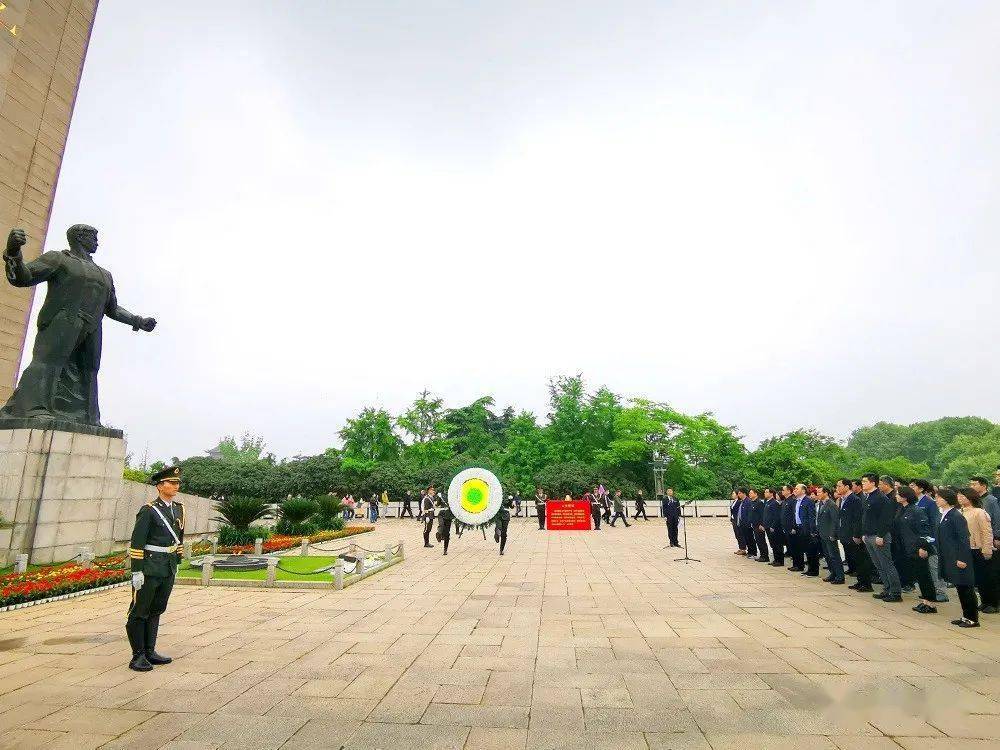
502, 522
155, 550
445, 518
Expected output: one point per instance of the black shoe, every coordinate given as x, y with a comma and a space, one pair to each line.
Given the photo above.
796, 569
965, 623
811, 574
990, 610
777, 564
828, 579
139, 663
879, 595
854, 586
446, 552
864, 589
156, 659
895, 598
925, 610
764, 559
838, 581
428, 545
501, 553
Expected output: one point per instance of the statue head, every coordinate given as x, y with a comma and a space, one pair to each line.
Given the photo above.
82, 237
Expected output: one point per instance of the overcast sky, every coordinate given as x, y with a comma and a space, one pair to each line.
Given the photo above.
785, 213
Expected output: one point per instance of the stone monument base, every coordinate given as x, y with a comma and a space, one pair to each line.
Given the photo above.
58, 489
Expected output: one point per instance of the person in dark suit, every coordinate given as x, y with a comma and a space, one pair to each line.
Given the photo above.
734, 508
955, 555
849, 532
828, 524
925, 502
876, 525
788, 527
808, 514
671, 510
772, 526
745, 524
595, 509
757, 526
914, 541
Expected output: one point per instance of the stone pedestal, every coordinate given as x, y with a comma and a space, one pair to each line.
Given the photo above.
59, 490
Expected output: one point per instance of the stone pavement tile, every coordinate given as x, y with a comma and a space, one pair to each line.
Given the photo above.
401, 706
79, 741
554, 696
606, 698
320, 708
864, 743
112, 721
11, 682
320, 733
27, 739
718, 681
404, 737
246, 733
481, 738
759, 699
508, 689
768, 742
190, 745
547, 716
641, 719
976, 726
896, 722
154, 732
459, 694
24, 714
945, 743
650, 690
805, 661
323, 688
548, 739
502, 717
181, 701
677, 741
574, 678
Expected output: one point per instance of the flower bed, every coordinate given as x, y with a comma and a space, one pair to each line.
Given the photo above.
280, 542
70, 577
16, 588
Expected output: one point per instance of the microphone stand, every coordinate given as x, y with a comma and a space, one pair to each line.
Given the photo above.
687, 558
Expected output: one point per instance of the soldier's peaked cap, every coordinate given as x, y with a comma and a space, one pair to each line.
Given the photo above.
171, 472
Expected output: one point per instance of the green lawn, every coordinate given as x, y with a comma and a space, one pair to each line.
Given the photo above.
295, 563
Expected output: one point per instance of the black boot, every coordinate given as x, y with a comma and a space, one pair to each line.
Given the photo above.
152, 628
139, 663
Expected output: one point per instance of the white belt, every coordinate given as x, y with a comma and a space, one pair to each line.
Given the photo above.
157, 548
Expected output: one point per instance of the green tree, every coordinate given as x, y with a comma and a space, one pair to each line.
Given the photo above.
369, 438
424, 420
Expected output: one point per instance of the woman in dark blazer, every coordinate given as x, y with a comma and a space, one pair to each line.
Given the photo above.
915, 544
955, 555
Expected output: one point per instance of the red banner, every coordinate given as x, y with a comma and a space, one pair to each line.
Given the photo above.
573, 515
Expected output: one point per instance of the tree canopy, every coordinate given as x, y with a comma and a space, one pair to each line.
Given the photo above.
589, 437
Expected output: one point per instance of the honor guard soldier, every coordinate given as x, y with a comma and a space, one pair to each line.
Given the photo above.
156, 548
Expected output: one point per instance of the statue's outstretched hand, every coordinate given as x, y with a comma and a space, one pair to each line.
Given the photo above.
15, 241
147, 324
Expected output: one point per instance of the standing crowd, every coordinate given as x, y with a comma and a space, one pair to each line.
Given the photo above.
904, 537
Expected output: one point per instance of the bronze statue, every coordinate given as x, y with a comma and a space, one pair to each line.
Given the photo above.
61, 381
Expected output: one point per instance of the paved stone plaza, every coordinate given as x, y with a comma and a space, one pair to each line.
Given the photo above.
571, 640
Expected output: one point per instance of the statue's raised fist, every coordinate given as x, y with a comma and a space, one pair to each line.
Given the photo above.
148, 324
16, 240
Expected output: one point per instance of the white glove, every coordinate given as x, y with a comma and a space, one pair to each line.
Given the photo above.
137, 580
